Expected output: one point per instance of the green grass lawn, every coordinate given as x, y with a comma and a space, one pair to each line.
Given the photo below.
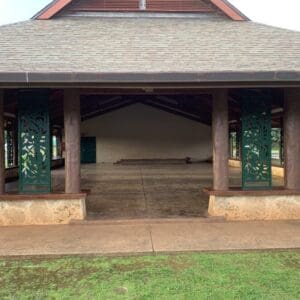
245, 275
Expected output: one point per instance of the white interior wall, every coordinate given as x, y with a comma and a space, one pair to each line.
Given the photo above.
142, 132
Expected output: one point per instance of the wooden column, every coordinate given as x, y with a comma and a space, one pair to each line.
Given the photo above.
72, 140
2, 163
292, 138
220, 138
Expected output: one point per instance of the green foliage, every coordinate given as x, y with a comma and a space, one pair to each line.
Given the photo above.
252, 275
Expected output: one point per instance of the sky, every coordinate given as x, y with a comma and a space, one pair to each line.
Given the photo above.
283, 14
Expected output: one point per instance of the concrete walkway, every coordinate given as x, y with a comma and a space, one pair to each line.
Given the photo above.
133, 237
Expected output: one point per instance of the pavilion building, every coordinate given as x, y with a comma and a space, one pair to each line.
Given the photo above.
101, 81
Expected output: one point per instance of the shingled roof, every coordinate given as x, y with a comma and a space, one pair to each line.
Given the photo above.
107, 49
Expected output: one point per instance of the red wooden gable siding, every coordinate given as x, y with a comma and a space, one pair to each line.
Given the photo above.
103, 5
178, 5
133, 5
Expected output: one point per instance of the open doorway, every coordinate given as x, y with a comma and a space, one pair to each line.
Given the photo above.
153, 155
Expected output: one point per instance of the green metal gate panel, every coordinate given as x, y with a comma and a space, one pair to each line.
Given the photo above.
88, 150
256, 142
34, 143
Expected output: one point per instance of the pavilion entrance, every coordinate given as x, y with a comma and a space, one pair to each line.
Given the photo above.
122, 184
153, 155
138, 183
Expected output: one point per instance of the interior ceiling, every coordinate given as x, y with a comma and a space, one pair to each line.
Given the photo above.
193, 105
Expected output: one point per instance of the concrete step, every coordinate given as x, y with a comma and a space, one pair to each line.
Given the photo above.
98, 220
169, 161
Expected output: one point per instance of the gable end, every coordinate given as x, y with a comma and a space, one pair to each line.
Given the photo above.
197, 6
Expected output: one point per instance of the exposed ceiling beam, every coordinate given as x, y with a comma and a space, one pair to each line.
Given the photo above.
107, 110
177, 112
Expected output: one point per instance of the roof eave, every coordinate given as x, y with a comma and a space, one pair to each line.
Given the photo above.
159, 77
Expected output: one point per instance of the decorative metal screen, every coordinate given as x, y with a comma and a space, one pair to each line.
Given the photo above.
256, 142
34, 143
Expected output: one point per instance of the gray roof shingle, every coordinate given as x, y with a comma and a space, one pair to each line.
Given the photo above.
147, 45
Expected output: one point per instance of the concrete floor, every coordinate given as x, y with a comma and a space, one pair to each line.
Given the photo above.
145, 191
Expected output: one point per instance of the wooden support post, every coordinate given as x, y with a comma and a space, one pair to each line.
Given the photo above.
2, 142
72, 140
292, 138
220, 136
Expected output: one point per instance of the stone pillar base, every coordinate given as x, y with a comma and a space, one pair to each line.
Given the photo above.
41, 209
256, 207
